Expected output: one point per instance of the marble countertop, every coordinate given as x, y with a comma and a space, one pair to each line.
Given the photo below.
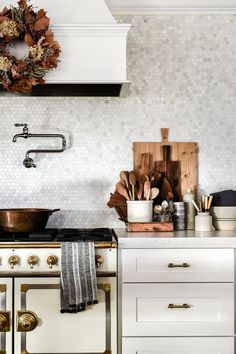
176, 239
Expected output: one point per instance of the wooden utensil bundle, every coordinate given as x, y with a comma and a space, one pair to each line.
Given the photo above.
204, 204
131, 187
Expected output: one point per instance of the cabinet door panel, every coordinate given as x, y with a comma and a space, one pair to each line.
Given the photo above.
182, 265
178, 346
178, 309
84, 332
6, 315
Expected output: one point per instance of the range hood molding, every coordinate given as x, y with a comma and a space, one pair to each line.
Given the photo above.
93, 55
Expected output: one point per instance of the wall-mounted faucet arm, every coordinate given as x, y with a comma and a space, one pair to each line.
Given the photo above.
28, 161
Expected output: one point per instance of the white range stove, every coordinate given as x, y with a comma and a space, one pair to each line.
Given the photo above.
30, 318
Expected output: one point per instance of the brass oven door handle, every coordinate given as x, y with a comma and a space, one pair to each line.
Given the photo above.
183, 265
5, 321
183, 306
26, 321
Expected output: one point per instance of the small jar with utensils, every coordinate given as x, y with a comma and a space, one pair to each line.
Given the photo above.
203, 219
203, 222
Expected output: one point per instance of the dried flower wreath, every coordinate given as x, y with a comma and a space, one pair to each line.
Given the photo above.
22, 23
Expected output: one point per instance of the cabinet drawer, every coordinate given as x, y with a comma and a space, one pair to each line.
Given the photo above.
178, 265
178, 309
178, 346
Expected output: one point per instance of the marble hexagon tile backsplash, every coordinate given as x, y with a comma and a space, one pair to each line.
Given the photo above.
183, 74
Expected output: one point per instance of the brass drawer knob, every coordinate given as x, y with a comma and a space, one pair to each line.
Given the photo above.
183, 306
183, 265
5, 321
26, 321
32, 261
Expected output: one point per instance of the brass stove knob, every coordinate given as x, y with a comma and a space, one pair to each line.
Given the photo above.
32, 261
4, 321
99, 260
13, 260
52, 260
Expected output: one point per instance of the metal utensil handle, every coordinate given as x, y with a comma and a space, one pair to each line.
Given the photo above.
53, 211
183, 306
183, 265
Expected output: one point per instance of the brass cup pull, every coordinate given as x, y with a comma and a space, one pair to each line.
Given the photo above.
183, 306
5, 321
183, 265
26, 321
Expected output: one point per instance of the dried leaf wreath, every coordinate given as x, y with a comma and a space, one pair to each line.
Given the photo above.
24, 24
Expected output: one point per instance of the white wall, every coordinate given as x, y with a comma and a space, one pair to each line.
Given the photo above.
183, 73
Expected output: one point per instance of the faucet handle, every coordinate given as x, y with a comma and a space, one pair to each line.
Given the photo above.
21, 125
25, 128
28, 162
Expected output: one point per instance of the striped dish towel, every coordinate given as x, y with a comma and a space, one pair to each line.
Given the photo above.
78, 276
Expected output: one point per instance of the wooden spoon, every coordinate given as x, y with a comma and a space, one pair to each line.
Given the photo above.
122, 190
154, 193
132, 181
140, 190
147, 189
124, 176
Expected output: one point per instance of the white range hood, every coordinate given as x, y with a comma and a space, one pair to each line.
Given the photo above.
93, 49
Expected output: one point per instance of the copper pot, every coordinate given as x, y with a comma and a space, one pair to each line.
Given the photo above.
24, 220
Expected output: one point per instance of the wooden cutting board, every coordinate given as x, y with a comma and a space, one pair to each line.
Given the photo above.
171, 169
184, 153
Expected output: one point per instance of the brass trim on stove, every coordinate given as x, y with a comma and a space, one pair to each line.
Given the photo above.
106, 287
16, 245
6, 318
24, 288
3, 289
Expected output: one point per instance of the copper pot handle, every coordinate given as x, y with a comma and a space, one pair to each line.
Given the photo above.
53, 211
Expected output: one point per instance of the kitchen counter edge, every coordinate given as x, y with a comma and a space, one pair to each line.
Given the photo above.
176, 239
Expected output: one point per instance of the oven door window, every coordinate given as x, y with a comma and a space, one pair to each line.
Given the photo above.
41, 328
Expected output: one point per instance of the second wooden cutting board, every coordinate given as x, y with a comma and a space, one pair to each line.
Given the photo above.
184, 153
172, 170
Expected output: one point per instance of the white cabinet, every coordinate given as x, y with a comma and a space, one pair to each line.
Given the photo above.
178, 346
178, 309
183, 265
178, 301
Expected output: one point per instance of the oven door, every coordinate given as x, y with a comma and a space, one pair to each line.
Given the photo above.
41, 328
5, 316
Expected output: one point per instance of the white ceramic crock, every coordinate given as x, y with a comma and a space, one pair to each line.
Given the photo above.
140, 210
203, 222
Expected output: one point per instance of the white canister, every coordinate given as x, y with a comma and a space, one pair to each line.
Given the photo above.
140, 210
203, 222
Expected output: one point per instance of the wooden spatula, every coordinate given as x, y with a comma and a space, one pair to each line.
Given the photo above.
132, 181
